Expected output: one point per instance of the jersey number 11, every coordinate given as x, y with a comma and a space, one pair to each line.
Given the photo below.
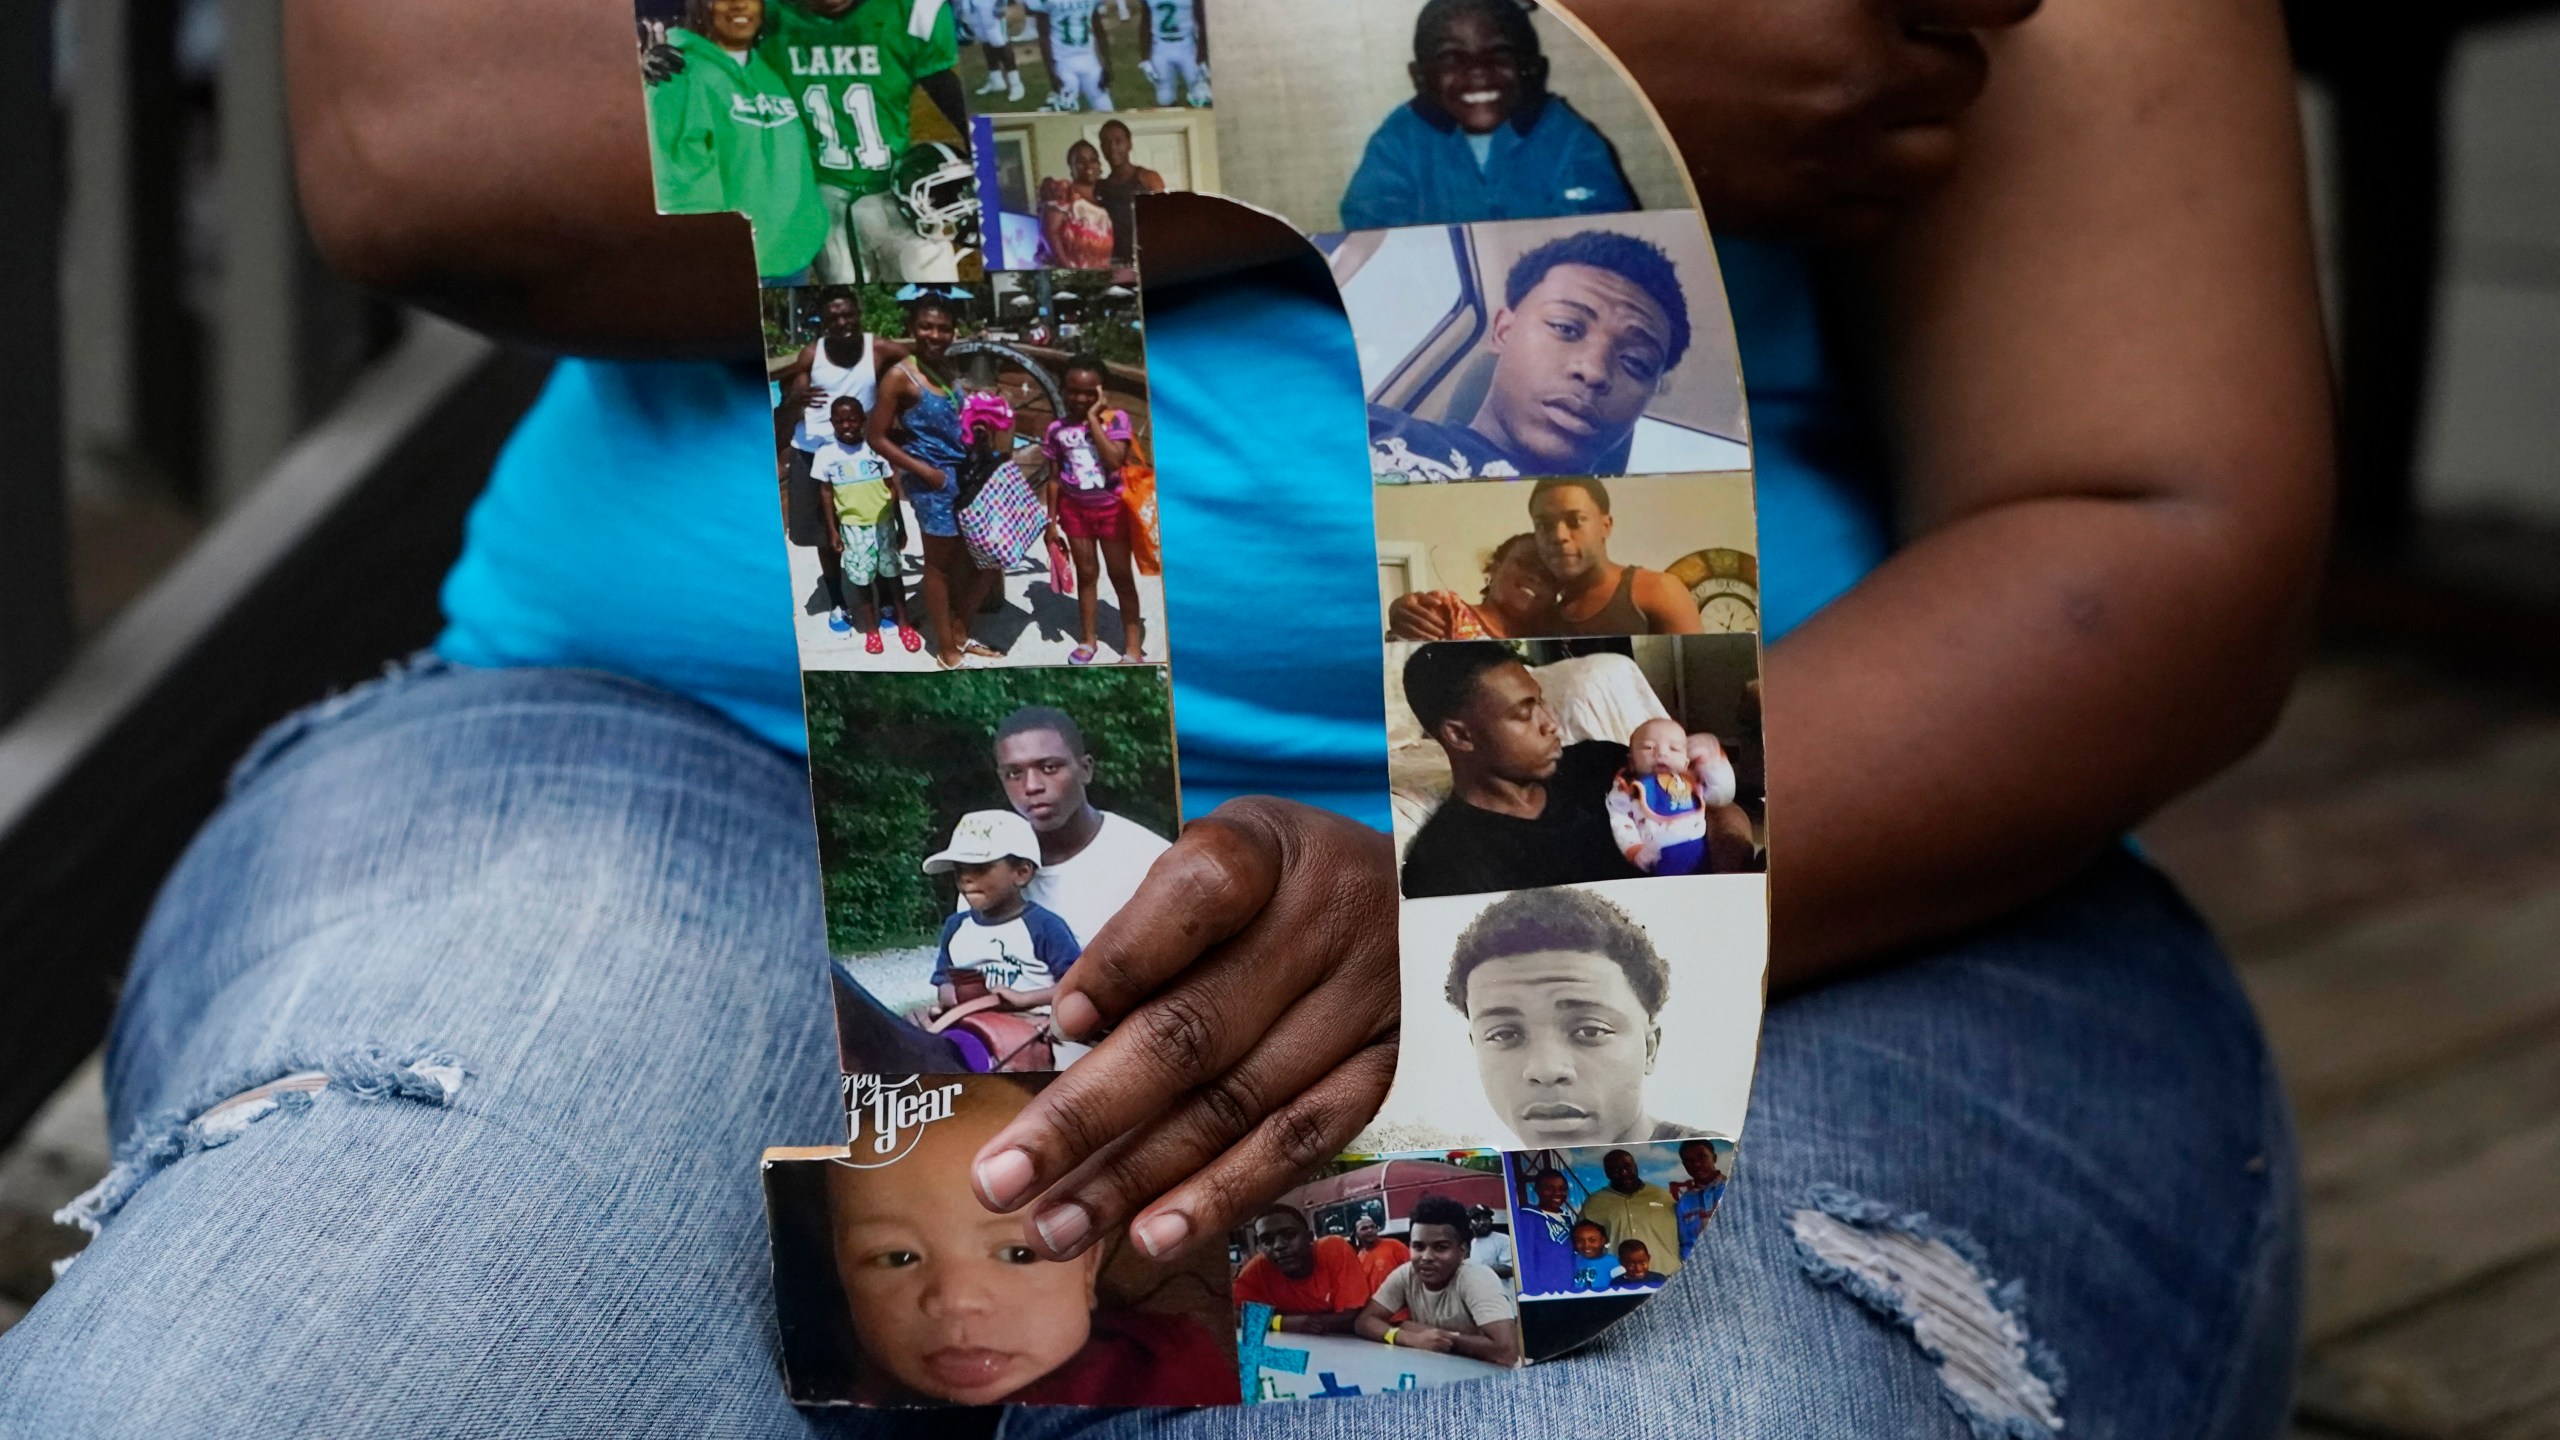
870, 152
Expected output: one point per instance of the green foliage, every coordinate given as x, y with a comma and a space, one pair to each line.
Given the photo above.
896, 760
783, 331
1115, 340
882, 315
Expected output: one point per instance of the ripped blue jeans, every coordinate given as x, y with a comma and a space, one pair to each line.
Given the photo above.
537, 958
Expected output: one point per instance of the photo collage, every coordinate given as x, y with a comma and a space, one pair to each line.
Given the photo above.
944, 198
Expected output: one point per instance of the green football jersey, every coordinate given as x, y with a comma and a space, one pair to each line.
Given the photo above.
855, 77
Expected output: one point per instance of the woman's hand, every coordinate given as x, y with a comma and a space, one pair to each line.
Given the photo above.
1422, 615
1250, 993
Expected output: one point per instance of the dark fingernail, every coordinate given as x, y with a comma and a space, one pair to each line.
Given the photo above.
1160, 1233
1075, 1016
1061, 1226
1003, 1178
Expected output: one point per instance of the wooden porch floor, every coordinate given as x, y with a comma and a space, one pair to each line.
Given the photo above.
2387, 872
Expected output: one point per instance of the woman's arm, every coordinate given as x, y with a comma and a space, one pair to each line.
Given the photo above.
2110, 411
505, 182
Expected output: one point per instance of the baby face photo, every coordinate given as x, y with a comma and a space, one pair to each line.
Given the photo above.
975, 833
834, 128
1587, 1015
1084, 56
1597, 1231
1403, 112
1532, 348
896, 1287
1517, 763
1384, 1272
1645, 555
1064, 188
966, 472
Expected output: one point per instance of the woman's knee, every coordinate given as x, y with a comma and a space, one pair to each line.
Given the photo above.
460, 868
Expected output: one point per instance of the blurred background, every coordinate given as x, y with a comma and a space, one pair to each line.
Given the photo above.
231, 483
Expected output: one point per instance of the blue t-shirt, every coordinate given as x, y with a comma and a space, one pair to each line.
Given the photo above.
1031, 951
1421, 169
1594, 1272
632, 526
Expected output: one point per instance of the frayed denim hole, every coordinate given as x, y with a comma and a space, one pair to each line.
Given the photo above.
286, 1087
282, 736
1933, 1282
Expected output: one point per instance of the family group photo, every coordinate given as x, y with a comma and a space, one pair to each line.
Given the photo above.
1433, 112
1519, 763
1645, 555
894, 1286
975, 833
836, 127
1613, 1014
1596, 1230
966, 472
1533, 348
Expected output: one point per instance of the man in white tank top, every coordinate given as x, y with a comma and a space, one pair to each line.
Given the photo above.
837, 363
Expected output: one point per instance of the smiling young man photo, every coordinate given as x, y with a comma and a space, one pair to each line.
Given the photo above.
1457, 1307
1591, 324
1482, 139
1562, 993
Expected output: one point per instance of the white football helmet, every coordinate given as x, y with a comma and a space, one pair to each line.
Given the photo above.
936, 188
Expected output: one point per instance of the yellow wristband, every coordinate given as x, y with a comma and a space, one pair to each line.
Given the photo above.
1391, 1333
1275, 1324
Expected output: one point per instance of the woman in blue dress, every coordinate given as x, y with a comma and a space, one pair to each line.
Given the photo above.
916, 428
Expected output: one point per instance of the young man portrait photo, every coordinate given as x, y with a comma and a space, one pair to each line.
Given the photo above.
1588, 328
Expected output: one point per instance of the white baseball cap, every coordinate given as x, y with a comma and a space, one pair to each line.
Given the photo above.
985, 835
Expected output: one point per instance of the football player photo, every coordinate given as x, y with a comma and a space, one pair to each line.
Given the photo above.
1641, 555
803, 115
1536, 348
1085, 56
